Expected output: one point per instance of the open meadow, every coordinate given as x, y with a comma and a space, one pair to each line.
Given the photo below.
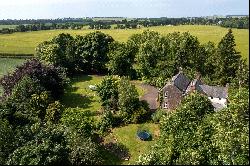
25, 42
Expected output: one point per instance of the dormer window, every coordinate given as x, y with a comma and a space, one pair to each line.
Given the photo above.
211, 97
219, 98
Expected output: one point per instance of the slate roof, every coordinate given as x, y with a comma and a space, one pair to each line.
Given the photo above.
181, 81
214, 91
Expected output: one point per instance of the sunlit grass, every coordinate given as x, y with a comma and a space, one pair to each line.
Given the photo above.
126, 136
25, 42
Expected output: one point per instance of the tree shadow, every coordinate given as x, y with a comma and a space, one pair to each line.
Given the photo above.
74, 100
115, 153
81, 78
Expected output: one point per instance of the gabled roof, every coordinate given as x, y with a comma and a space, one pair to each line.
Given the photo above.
214, 91
181, 81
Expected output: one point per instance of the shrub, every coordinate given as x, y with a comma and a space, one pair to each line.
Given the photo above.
142, 114
83, 151
78, 121
108, 92
156, 116
54, 112
106, 122
49, 77
48, 147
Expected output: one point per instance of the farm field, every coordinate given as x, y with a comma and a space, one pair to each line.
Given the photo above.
25, 42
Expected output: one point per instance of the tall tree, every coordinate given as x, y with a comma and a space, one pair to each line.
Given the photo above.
228, 58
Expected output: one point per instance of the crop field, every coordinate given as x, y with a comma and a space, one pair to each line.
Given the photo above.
25, 42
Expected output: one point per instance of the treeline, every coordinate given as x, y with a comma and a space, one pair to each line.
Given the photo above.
148, 56
36, 25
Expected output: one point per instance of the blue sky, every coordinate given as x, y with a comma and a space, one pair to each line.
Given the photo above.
26, 9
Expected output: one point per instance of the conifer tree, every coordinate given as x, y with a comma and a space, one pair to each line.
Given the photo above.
228, 58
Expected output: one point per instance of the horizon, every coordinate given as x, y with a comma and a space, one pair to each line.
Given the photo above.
57, 9
245, 15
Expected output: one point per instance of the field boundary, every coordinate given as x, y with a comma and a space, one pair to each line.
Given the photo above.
19, 56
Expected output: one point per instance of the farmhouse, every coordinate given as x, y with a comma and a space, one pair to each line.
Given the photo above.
180, 86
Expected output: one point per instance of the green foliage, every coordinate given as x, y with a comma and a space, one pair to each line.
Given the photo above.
141, 114
121, 59
183, 140
106, 122
156, 116
228, 58
59, 52
108, 92
7, 140
39, 103
128, 99
93, 49
120, 97
232, 130
54, 112
83, 151
48, 147
242, 75
194, 134
78, 121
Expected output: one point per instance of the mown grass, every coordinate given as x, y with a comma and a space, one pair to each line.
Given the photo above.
25, 42
127, 137
80, 96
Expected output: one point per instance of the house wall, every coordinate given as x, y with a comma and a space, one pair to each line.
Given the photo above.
174, 97
221, 101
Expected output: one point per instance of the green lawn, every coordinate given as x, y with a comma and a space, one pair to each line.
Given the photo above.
80, 96
25, 42
126, 137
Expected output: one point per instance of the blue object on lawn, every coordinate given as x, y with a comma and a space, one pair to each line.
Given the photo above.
143, 135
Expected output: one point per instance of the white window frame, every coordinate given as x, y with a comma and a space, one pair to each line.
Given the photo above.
166, 95
165, 105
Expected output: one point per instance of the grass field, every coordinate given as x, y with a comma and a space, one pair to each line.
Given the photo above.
25, 42
7, 26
